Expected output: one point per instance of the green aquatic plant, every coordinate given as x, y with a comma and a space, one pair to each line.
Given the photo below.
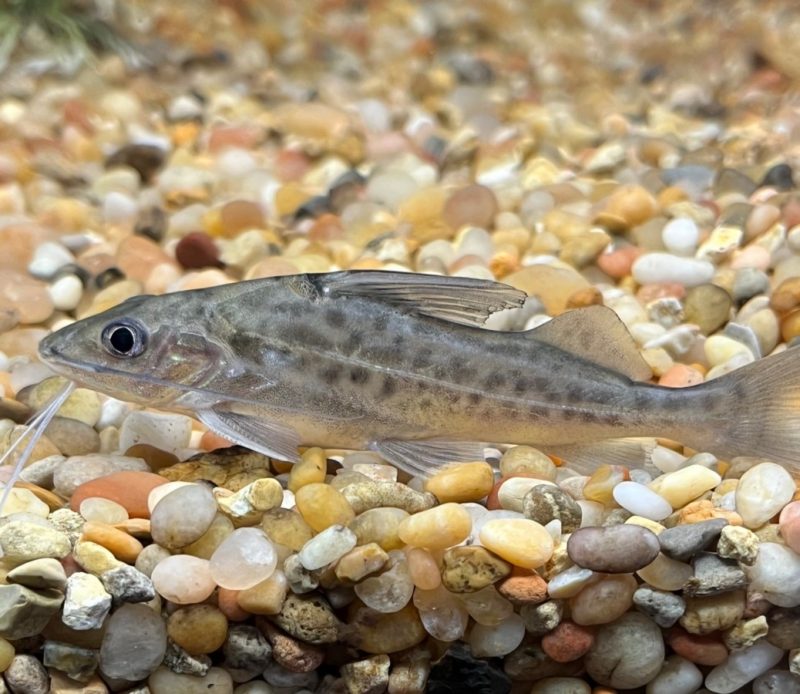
62, 33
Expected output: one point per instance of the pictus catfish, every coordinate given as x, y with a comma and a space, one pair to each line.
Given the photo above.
399, 363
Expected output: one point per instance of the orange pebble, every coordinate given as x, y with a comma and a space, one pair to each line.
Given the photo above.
680, 376
226, 601
120, 544
211, 441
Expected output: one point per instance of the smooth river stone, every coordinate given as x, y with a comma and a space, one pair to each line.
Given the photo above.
776, 574
743, 666
183, 516
762, 492
524, 543
437, 528
627, 653
678, 676
183, 579
641, 501
134, 643
604, 600
129, 489
614, 549
682, 542
243, 559
685, 485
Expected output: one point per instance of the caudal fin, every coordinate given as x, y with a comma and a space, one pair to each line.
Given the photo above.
763, 418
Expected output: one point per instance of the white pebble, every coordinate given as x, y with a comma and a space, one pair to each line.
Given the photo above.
183, 107
677, 676
680, 236
776, 574
641, 501
119, 206
569, 582
66, 292
331, 544
592, 513
743, 666
168, 432
762, 492
243, 559
496, 641
720, 349
653, 268
49, 258
235, 163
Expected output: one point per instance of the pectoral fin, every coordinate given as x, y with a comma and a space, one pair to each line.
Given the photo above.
258, 433
456, 299
595, 334
422, 458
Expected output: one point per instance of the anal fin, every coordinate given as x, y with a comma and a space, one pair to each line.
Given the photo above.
585, 458
422, 458
258, 433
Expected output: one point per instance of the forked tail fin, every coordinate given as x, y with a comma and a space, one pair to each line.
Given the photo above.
763, 418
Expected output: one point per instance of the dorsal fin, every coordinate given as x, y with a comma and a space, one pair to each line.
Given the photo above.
456, 299
595, 334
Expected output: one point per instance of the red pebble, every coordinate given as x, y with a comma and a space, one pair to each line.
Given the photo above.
128, 488
701, 649
567, 642
197, 250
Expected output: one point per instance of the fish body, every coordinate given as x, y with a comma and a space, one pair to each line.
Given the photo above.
395, 362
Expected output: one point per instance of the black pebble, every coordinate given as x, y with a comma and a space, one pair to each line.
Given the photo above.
459, 672
779, 177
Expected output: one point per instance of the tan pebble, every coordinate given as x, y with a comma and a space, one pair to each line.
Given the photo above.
266, 597
529, 461
631, 204
247, 506
665, 573
600, 485
704, 509
286, 527
522, 542
198, 629
228, 603
380, 525
120, 544
713, 613
423, 568
310, 469
323, 506
221, 527
437, 528
461, 483
7, 653
360, 562
603, 601
685, 485
373, 632
746, 633
94, 558
470, 569
651, 525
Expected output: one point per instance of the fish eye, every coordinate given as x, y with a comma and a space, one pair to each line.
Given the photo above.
124, 339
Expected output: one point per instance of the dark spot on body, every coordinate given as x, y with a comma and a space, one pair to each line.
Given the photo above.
494, 380
521, 386
359, 375
422, 358
381, 322
541, 384
475, 398
334, 317
330, 374
388, 387
574, 393
353, 342
305, 335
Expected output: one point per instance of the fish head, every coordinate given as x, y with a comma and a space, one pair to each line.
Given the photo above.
148, 349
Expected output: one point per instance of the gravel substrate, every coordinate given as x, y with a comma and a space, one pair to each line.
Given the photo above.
642, 156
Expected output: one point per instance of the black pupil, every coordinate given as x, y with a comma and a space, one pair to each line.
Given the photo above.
122, 340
